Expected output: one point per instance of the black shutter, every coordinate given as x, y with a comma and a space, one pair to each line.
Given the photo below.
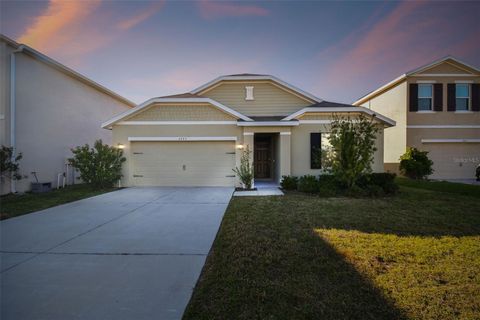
476, 97
413, 97
451, 97
438, 97
315, 150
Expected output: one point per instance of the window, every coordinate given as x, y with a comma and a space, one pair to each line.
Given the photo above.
319, 149
462, 97
249, 93
425, 97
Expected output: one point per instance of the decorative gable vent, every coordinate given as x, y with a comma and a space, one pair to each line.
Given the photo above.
249, 93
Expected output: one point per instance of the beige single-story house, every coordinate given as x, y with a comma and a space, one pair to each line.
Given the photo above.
437, 109
197, 138
46, 109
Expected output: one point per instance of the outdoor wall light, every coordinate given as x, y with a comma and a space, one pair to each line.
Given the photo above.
120, 146
240, 146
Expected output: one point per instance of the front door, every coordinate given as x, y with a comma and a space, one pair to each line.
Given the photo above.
262, 157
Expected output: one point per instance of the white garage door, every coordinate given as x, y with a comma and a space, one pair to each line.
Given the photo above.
453, 160
186, 163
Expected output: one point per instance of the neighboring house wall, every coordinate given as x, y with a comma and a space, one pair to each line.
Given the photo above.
269, 99
392, 104
452, 138
54, 113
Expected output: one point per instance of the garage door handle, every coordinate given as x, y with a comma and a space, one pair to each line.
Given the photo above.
137, 176
229, 152
138, 153
232, 176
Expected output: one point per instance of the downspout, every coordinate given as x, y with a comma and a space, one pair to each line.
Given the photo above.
13, 188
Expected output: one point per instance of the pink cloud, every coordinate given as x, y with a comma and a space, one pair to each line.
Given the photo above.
213, 9
141, 16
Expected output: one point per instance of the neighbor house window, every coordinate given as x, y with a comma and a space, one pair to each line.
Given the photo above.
425, 97
320, 149
462, 96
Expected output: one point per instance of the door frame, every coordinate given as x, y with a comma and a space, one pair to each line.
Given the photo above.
271, 151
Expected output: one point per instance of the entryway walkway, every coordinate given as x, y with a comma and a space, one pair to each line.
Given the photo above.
264, 188
131, 254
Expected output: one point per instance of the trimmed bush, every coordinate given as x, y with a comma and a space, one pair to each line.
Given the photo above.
415, 164
289, 183
377, 184
308, 184
328, 185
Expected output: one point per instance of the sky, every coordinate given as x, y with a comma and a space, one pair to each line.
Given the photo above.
338, 51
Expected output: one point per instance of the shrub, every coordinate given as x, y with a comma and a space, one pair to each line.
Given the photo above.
245, 172
308, 184
328, 185
353, 144
289, 182
100, 165
9, 166
376, 184
415, 164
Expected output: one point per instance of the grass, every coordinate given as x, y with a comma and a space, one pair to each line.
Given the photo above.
12, 205
442, 186
413, 256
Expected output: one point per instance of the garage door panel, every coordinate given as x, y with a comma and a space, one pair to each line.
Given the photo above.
206, 163
453, 160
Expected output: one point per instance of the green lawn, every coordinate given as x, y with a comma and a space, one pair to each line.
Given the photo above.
15, 205
413, 256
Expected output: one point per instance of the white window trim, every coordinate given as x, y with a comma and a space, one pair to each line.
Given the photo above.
181, 139
446, 126
430, 97
469, 107
426, 111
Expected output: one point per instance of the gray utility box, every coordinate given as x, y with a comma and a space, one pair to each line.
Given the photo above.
40, 187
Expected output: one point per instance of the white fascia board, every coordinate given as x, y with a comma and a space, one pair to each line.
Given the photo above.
149, 102
182, 139
271, 78
156, 123
446, 126
450, 140
439, 61
384, 119
373, 93
40, 56
268, 124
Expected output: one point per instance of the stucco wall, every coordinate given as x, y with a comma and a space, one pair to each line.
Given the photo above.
393, 104
55, 112
270, 100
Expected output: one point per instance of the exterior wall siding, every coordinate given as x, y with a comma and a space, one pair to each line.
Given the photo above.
270, 100
54, 113
182, 112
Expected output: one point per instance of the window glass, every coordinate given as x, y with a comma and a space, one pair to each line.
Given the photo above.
462, 90
425, 97
462, 93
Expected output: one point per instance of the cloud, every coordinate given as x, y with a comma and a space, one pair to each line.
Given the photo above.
212, 9
54, 27
141, 16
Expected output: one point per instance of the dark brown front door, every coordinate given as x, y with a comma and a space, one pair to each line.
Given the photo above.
262, 157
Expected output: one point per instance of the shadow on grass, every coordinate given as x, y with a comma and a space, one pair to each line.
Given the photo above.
262, 268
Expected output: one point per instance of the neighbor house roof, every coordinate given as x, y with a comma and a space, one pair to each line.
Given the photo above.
66, 70
401, 78
253, 77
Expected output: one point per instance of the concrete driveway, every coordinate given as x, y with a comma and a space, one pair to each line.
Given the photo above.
131, 254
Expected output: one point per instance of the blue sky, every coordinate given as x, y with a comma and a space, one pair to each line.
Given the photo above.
336, 50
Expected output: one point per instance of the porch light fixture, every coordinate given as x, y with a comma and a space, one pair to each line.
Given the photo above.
240, 146
120, 146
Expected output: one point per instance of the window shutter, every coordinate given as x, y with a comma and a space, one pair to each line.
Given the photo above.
413, 103
315, 150
476, 97
438, 97
451, 97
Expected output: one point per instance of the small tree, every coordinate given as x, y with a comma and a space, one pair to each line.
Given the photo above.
99, 166
353, 146
245, 172
9, 164
415, 164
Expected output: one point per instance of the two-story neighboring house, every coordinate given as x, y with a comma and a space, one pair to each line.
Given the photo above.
436, 109
197, 138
